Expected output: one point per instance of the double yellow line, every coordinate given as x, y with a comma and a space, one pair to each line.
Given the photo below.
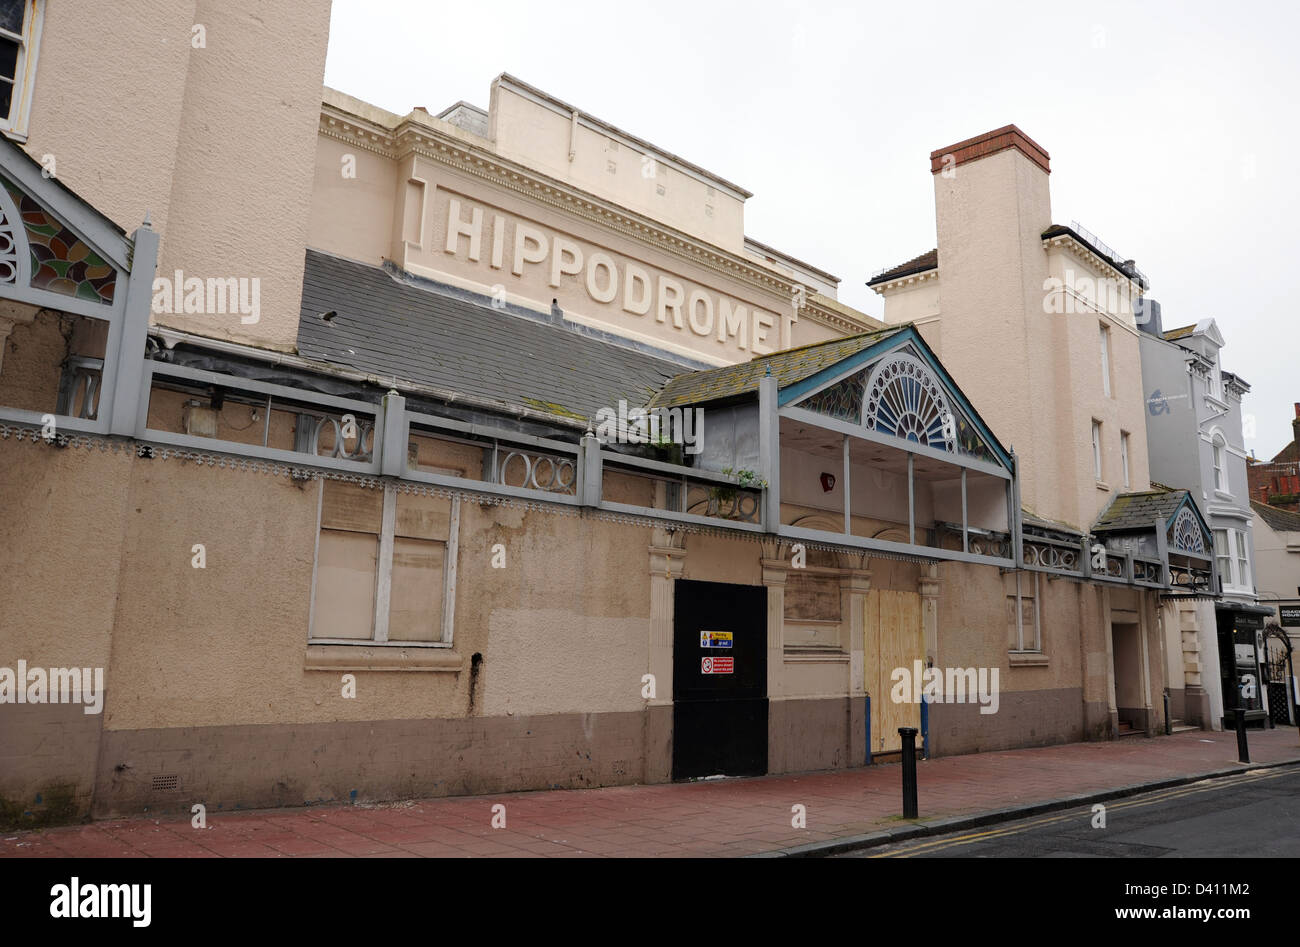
1194, 789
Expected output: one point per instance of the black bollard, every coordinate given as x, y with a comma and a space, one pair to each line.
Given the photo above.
1243, 751
1169, 725
909, 771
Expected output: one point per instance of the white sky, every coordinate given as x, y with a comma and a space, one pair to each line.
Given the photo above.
1174, 128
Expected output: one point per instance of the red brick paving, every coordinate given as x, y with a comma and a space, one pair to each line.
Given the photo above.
723, 818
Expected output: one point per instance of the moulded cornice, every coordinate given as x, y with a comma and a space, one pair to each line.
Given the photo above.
1085, 253
435, 145
903, 281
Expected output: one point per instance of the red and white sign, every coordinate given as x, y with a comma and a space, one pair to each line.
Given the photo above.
718, 665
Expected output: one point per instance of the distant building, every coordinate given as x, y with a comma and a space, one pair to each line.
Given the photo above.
1276, 482
1195, 442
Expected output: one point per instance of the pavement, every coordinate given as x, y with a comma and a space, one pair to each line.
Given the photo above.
1254, 815
844, 809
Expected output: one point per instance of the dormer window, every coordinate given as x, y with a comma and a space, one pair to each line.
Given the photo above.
1214, 382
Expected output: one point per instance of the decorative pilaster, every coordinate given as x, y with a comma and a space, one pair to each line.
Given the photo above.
855, 583
667, 559
928, 586
774, 577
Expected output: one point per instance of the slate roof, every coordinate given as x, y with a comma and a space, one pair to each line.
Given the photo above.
1284, 521
926, 261
789, 366
388, 327
1133, 511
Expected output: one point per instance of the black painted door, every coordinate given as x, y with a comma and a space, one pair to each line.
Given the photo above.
719, 680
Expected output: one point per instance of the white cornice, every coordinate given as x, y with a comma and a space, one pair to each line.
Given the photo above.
1085, 253
909, 280
435, 144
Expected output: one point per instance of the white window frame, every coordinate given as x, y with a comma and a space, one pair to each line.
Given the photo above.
14, 125
1243, 560
1105, 360
1218, 451
1096, 450
1224, 556
1123, 456
384, 579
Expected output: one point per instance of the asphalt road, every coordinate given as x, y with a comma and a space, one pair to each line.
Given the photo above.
1254, 814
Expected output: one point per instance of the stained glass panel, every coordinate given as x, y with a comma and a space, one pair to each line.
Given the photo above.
842, 400
61, 261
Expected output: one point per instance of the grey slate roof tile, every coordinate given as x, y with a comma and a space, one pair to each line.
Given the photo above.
1283, 521
1136, 511
387, 327
788, 366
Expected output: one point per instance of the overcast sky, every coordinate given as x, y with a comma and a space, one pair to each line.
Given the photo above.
1173, 127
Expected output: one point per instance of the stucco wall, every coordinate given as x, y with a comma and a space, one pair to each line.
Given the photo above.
131, 65
212, 134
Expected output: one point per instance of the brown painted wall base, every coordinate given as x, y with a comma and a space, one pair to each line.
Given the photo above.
1177, 703
1196, 708
288, 765
1023, 719
230, 767
805, 735
47, 763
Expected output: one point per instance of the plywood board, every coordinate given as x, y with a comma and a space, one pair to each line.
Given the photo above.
893, 639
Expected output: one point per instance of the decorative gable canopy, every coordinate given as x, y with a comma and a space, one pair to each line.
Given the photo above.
56, 250
59, 255
897, 387
865, 442
1165, 525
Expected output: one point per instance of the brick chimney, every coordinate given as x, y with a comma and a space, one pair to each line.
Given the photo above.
990, 143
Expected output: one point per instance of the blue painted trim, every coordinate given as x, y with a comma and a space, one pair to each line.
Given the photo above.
906, 334
1205, 527
925, 728
868, 730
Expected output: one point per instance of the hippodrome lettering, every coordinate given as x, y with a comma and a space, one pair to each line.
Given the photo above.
635, 289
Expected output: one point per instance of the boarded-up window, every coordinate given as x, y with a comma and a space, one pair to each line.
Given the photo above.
380, 546
345, 584
421, 529
1025, 635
